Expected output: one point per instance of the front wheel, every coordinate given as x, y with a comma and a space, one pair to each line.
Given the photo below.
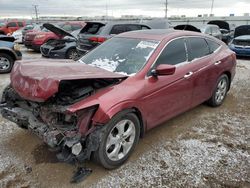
6, 63
120, 137
72, 54
220, 91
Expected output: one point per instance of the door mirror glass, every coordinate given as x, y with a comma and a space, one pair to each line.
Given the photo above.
163, 69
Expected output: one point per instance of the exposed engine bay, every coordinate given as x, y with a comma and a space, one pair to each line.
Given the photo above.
63, 132
59, 42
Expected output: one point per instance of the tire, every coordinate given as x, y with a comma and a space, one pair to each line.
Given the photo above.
220, 91
6, 63
106, 155
72, 54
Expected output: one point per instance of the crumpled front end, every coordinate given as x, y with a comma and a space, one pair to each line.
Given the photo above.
70, 134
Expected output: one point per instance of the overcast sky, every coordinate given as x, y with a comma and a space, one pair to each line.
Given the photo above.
154, 8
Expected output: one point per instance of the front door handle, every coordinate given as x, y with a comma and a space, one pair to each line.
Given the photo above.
217, 63
188, 74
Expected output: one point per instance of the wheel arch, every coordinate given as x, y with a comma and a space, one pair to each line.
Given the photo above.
229, 75
10, 53
118, 110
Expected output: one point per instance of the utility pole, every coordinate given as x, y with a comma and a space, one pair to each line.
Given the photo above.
36, 12
212, 7
166, 9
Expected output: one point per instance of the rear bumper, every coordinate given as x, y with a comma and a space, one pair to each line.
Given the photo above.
32, 46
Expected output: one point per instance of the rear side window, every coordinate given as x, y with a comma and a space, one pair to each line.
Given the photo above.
67, 27
20, 24
117, 29
92, 28
12, 24
76, 27
197, 48
174, 53
213, 46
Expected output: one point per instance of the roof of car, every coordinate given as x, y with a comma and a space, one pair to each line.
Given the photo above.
158, 34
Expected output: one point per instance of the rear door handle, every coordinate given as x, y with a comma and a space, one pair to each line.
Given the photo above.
189, 74
217, 63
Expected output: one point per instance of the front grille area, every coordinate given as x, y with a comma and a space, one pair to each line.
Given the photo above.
242, 42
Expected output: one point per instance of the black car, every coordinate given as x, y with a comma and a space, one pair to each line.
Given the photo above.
9, 53
60, 48
95, 33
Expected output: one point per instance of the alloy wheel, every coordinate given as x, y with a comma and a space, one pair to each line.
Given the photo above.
4, 63
120, 140
221, 91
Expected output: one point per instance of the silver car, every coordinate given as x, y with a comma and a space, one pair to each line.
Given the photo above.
212, 30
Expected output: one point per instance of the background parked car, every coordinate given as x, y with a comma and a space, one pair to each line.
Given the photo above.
9, 53
224, 26
11, 26
212, 30
18, 35
31, 28
241, 42
64, 48
34, 40
95, 33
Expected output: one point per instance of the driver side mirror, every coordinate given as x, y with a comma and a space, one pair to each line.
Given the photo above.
163, 70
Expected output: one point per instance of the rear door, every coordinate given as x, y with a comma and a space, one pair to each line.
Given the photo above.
202, 61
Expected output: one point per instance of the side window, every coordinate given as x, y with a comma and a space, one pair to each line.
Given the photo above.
197, 48
174, 53
208, 30
117, 29
20, 24
212, 45
133, 27
12, 24
67, 27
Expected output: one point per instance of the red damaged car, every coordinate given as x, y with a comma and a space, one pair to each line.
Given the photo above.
100, 106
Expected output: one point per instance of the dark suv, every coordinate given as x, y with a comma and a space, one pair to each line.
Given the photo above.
95, 33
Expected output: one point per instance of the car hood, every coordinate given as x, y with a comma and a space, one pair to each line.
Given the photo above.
58, 31
38, 81
242, 30
187, 27
221, 24
7, 38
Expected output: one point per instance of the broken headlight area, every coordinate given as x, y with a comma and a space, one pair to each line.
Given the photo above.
66, 133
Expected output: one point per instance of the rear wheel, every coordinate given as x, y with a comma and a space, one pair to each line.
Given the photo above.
6, 63
220, 91
120, 137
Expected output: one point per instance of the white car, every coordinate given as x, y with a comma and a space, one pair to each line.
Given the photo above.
18, 35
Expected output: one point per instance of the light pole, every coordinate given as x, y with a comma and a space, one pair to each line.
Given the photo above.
166, 9
212, 7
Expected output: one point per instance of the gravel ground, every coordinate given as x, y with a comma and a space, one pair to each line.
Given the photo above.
204, 147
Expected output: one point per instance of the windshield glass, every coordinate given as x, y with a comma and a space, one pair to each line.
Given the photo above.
121, 55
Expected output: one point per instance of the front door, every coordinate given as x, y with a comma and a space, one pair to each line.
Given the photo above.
167, 96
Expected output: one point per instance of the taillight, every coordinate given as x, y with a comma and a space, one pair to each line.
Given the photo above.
97, 39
